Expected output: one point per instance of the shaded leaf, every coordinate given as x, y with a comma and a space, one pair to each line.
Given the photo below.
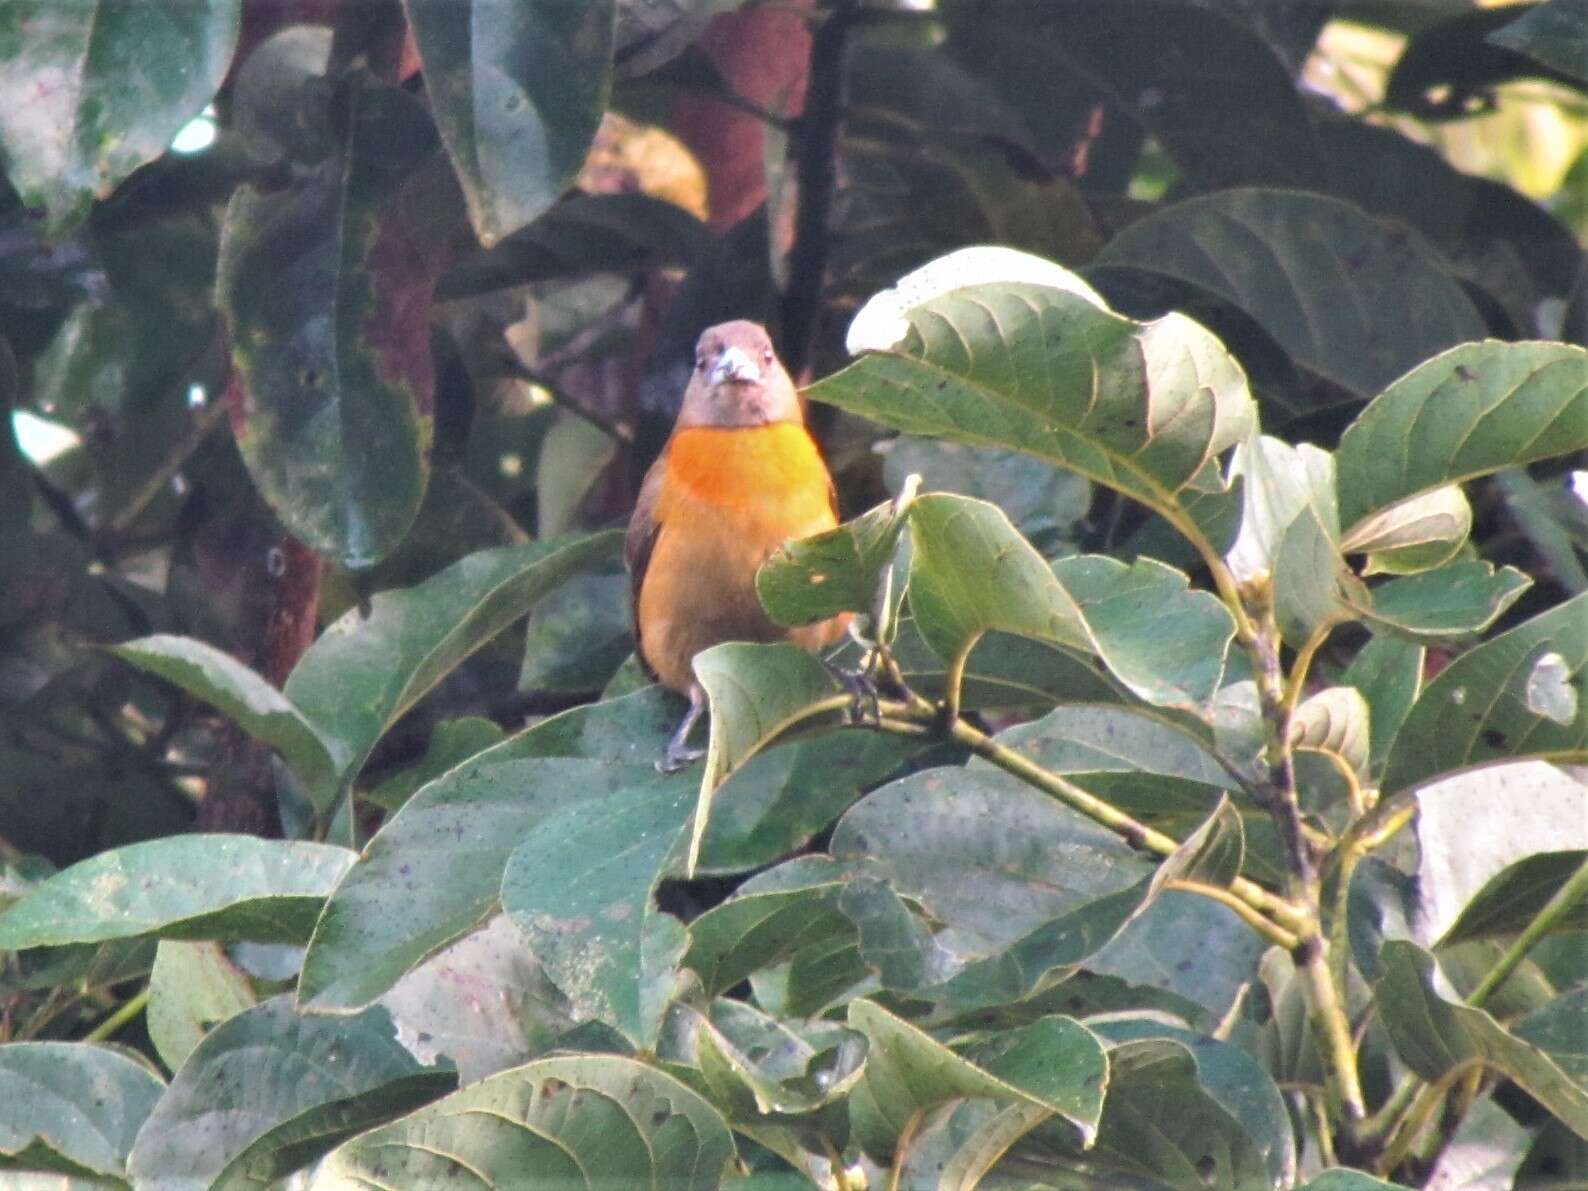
451, 743
193, 987
87, 93
1336, 719
1555, 33
1389, 673
1509, 900
325, 285
1348, 297
268, 1091
633, 1123
1472, 410
242, 696
577, 637
835, 571
182, 887
82, 1102
1434, 1036
1477, 710
767, 1071
518, 91
364, 671
1055, 1064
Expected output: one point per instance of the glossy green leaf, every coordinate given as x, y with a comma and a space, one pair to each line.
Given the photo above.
1555, 33
832, 572
76, 1101
580, 886
1452, 601
434, 871
1516, 695
518, 91
582, 1121
1472, 410
1509, 900
972, 573
242, 696
995, 348
193, 988
325, 285
88, 93
182, 887
269, 1091
1389, 673
1055, 1064
1434, 1037
365, 671
1348, 297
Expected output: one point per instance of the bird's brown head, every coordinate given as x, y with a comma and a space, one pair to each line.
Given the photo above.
738, 380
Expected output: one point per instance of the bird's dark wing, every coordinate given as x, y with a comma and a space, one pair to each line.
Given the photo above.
638, 544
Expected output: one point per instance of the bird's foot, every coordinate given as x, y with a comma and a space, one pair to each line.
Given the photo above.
678, 756
866, 707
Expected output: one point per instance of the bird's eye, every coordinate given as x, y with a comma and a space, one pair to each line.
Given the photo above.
766, 355
700, 363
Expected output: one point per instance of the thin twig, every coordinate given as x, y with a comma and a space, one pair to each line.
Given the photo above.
129, 1010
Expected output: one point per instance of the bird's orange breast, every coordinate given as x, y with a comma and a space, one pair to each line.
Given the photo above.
729, 497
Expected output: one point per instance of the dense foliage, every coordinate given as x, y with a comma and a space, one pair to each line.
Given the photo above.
1219, 818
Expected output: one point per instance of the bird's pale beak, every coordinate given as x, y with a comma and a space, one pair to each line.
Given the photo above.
734, 364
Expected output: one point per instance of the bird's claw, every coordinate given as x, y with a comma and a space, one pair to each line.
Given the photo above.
863, 691
678, 757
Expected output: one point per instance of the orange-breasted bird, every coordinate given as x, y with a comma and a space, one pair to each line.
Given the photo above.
738, 478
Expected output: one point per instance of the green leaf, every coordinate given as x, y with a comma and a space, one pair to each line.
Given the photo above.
1516, 695
756, 693
1234, 1080
1348, 297
1509, 900
88, 93
1560, 1029
832, 572
1335, 719
972, 573
771, 917
365, 671
766, 1071
577, 637
787, 794
1434, 1036
79, 1102
1161, 1127
269, 1091
580, 886
1452, 601
193, 988
1054, 1064
181, 887
1389, 673
325, 285
518, 91
995, 348
484, 1003
588, 1121
1472, 410
243, 697
959, 1142
1414, 535
441, 857
1044, 502
1342, 1179
452, 743
1555, 33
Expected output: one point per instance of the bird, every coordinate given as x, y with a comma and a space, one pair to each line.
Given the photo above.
739, 477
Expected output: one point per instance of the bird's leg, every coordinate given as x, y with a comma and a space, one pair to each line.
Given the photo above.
862, 689
678, 753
